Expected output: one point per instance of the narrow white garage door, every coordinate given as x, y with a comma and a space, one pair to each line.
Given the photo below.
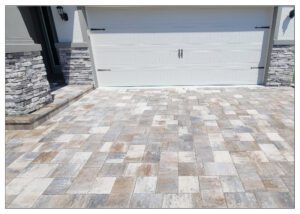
157, 46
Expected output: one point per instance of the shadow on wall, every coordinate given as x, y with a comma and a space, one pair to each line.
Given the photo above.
285, 23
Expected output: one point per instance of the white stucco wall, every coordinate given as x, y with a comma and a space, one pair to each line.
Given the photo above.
285, 25
67, 31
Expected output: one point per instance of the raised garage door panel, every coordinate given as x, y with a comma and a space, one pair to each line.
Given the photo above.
140, 45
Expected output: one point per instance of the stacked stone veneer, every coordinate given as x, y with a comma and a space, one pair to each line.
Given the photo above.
282, 66
26, 86
76, 65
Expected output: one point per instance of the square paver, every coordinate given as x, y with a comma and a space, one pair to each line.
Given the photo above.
145, 185
188, 184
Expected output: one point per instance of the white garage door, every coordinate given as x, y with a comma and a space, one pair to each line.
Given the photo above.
156, 46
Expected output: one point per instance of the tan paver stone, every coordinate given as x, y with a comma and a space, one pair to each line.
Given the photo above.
45, 157
83, 183
187, 169
257, 156
167, 184
274, 185
118, 200
210, 183
213, 199
123, 185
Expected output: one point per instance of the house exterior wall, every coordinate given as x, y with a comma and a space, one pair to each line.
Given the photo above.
282, 58
73, 48
26, 86
68, 31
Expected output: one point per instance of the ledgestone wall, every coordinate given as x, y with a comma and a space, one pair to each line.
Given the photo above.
76, 65
282, 66
26, 86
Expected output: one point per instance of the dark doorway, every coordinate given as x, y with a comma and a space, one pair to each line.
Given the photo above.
40, 24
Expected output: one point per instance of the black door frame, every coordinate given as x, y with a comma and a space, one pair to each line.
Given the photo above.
48, 31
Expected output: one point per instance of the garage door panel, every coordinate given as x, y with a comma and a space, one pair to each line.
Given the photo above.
140, 45
153, 77
128, 56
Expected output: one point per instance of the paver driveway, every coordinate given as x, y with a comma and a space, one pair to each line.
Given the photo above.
153, 148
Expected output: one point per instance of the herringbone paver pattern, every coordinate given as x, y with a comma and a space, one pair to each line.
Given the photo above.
158, 148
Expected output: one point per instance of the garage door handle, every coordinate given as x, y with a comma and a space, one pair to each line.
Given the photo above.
261, 67
101, 29
180, 53
103, 69
262, 27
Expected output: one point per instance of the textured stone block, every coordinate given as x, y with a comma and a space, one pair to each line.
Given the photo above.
23, 74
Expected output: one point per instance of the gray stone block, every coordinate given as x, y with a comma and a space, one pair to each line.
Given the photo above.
24, 73
76, 65
282, 66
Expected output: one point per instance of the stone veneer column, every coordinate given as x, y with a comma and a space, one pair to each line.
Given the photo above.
26, 86
76, 65
282, 66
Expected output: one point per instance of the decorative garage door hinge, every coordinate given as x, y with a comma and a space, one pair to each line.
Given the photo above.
262, 27
261, 67
101, 29
103, 69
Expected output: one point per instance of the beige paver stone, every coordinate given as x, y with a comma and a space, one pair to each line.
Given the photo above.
188, 184
186, 157
177, 201
145, 185
31, 193
103, 185
245, 137
222, 156
274, 137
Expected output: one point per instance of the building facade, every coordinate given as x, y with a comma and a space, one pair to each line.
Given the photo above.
143, 46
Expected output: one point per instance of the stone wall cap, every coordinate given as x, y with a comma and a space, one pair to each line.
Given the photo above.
16, 48
71, 45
